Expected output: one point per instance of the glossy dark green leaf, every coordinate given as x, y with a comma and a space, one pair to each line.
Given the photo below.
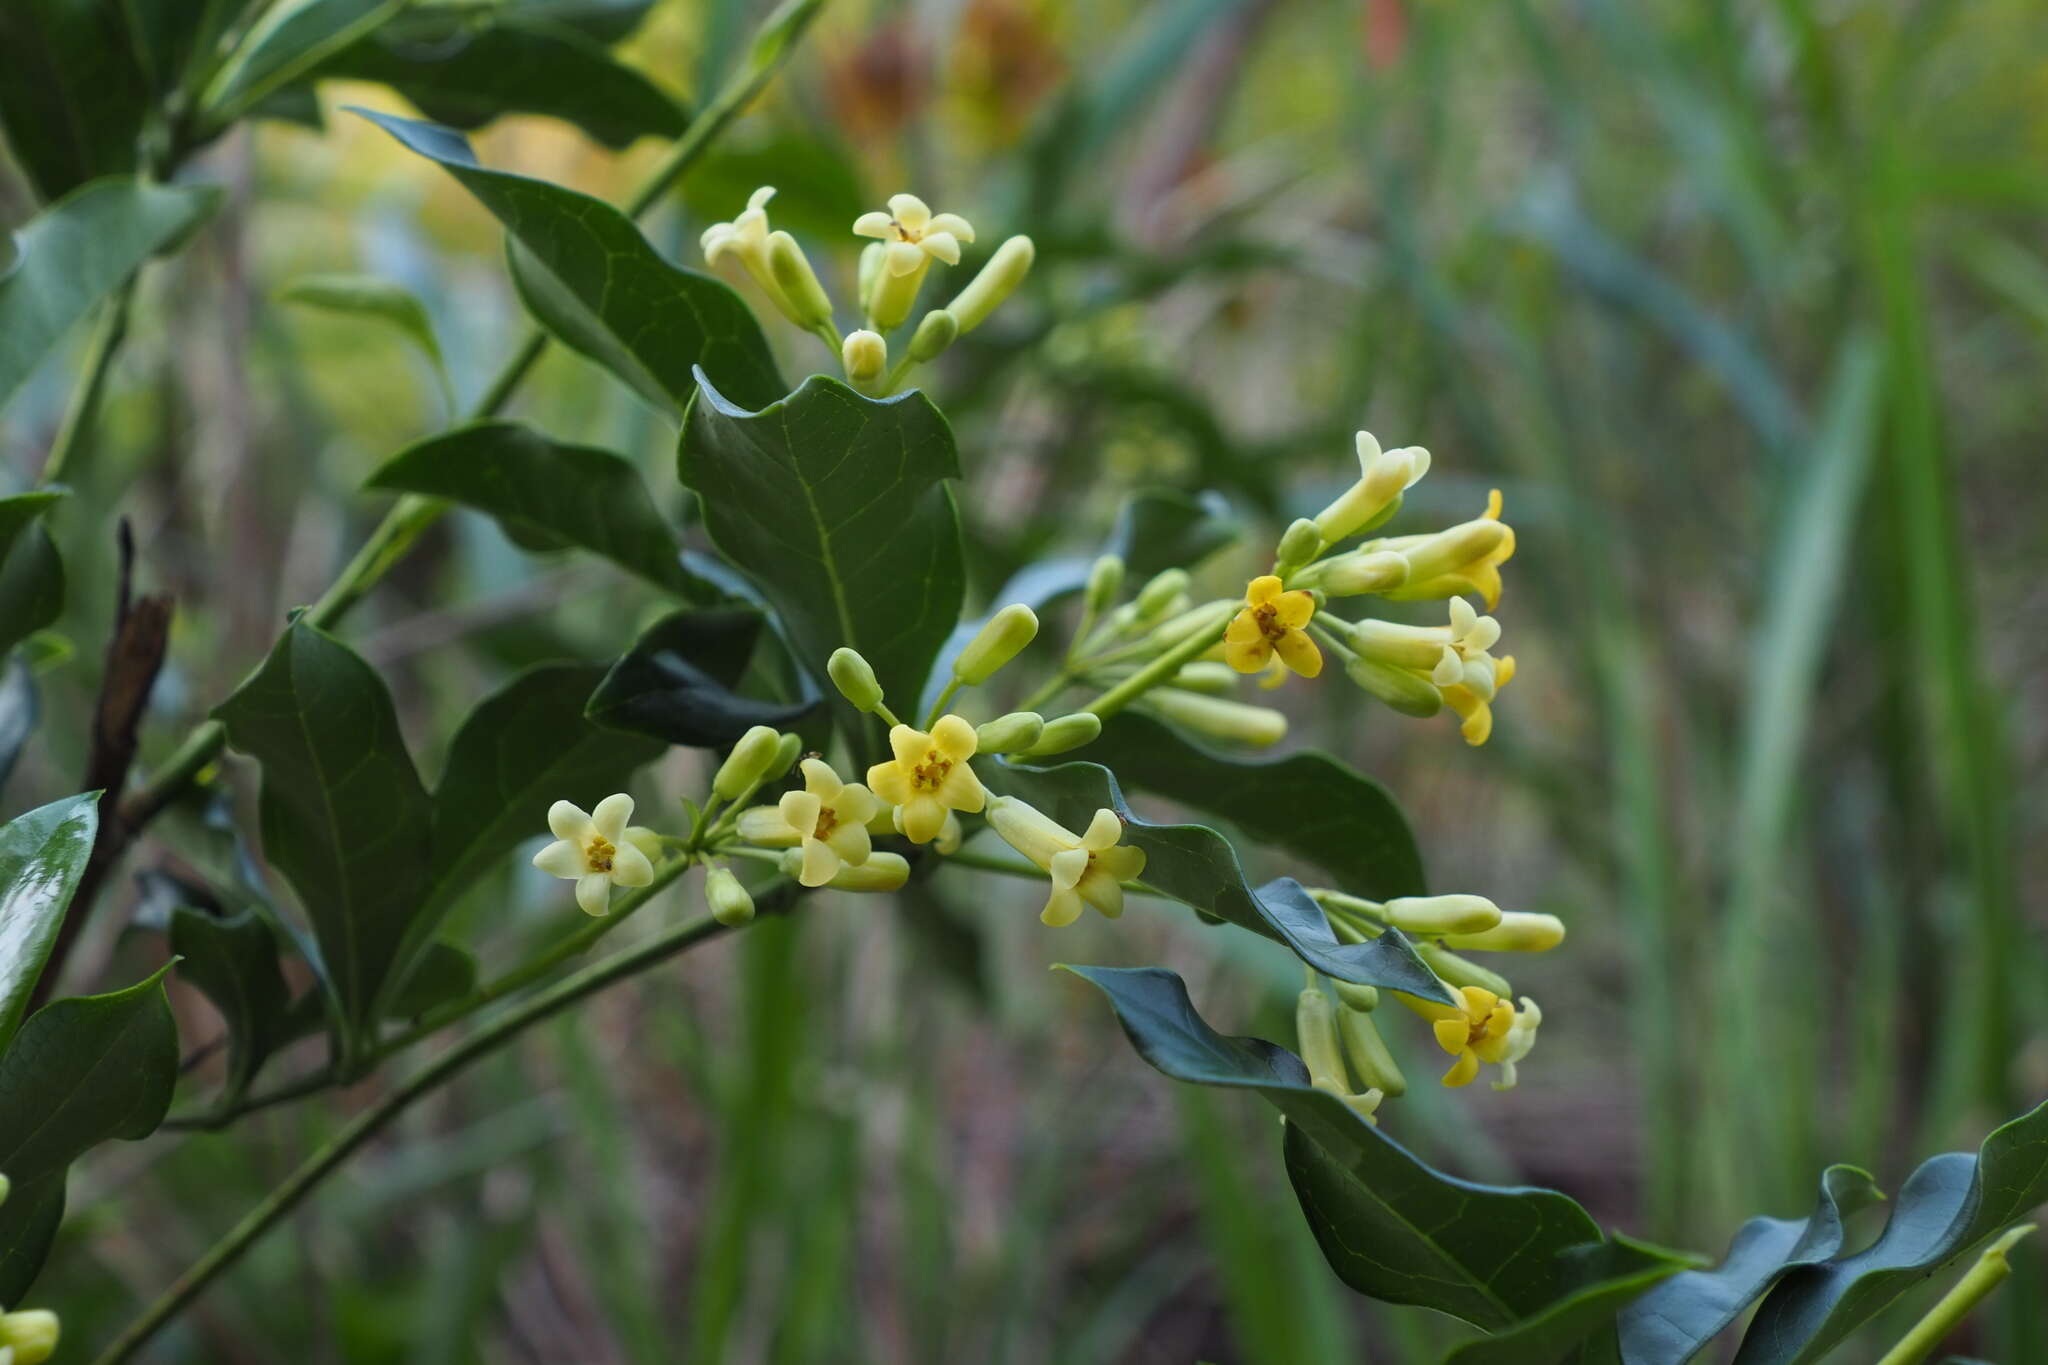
18, 512
1576, 1328
837, 506
77, 251
1390, 1226
524, 747
465, 74
608, 21
31, 587
233, 961
291, 42
594, 282
443, 973
679, 681
20, 708
73, 91
28, 1228
344, 816
1196, 865
1676, 1320
42, 855
577, 494
1945, 1208
1306, 803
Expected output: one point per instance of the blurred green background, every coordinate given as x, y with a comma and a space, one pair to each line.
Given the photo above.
1743, 306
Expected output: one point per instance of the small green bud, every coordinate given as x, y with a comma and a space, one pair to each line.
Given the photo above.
1518, 932
933, 335
786, 754
1301, 543
748, 763
1067, 732
1315, 1028
32, 1335
6, 1187
1405, 692
1010, 734
1368, 571
1357, 997
999, 640
730, 903
1207, 675
881, 872
1105, 581
1438, 915
871, 258
809, 307
1157, 596
994, 282
1460, 971
854, 678
1368, 1053
891, 296
865, 356
1218, 717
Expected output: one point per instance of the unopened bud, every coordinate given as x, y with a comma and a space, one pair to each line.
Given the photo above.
1461, 971
881, 872
1405, 692
1517, 932
1066, 732
1105, 580
1439, 915
809, 307
1358, 997
748, 763
854, 678
1217, 717
786, 754
29, 1337
1302, 543
1157, 596
1454, 548
6, 1188
933, 335
1010, 734
730, 903
1315, 1028
764, 826
871, 260
891, 296
998, 641
1207, 675
1371, 571
865, 356
995, 282
1375, 1065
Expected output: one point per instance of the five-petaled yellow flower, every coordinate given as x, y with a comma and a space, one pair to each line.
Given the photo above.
828, 819
914, 233
1271, 623
596, 851
1476, 1031
929, 776
1088, 868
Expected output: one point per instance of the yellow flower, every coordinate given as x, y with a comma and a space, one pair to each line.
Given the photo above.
828, 820
914, 234
1271, 623
1464, 559
1475, 713
1088, 868
929, 776
1521, 1038
597, 851
1475, 1031
1403, 665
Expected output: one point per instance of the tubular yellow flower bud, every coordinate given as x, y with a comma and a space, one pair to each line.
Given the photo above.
1013, 733
881, 872
933, 335
1218, 717
1407, 693
999, 640
1367, 1105
803, 296
1301, 543
1363, 572
730, 903
765, 827
1518, 932
1453, 548
748, 763
995, 282
865, 355
1461, 971
1383, 475
1368, 1053
872, 257
854, 678
787, 752
6, 1188
1156, 596
1207, 675
1067, 732
1315, 1027
1105, 580
1438, 915
1357, 997
31, 1336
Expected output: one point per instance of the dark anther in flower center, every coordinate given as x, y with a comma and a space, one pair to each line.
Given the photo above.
828, 820
1268, 617
599, 853
902, 233
930, 774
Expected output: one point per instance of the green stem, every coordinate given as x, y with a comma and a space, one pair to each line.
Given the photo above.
1991, 1271
1156, 672
1056, 684
80, 417
371, 1121
952, 689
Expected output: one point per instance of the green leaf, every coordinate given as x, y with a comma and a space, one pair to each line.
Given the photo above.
294, 38
444, 972
77, 251
1390, 1226
577, 494
1610, 1278
42, 855
1306, 803
678, 683
1946, 1207
233, 961
366, 296
592, 280
837, 506
465, 76
1676, 1320
73, 92
31, 587
524, 747
28, 1228
344, 816
1196, 865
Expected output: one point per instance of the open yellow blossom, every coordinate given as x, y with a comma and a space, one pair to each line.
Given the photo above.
929, 776
828, 820
1452, 660
1474, 570
1474, 1031
914, 235
596, 850
1271, 623
1086, 869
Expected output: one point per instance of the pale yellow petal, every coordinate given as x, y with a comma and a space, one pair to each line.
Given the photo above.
611, 815
1293, 609
962, 790
630, 866
905, 258
1462, 1071
922, 817
819, 779
568, 821
1262, 590
851, 843
890, 782
1103, 831
1061, 908
593, 893
1450, 1034
820, 862
800, 810
875, 224
941, 246
952, 224
912, 212
561, 859
954, 738
1299, 653
909, 746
